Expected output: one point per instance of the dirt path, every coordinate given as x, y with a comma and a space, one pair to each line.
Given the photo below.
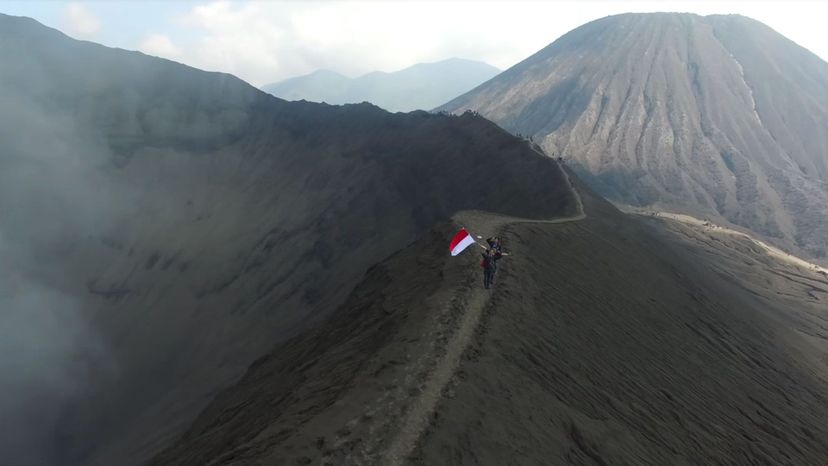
417, 418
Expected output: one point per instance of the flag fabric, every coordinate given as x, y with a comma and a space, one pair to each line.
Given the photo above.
461, 241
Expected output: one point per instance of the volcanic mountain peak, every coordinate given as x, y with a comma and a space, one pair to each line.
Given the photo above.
715, 115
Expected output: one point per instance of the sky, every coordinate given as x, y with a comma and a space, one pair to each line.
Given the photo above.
268, 41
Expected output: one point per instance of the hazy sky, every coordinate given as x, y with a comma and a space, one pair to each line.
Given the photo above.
266, 41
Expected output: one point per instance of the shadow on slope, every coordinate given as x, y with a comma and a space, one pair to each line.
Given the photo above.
316, 397
612, 342
605, 341
166, 226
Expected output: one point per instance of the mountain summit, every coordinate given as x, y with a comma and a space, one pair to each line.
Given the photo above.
716, 116
421, 86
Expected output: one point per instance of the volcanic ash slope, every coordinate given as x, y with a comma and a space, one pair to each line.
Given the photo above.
606, 340
714, 116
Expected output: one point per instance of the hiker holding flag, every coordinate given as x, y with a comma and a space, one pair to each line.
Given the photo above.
463, 239
489, 263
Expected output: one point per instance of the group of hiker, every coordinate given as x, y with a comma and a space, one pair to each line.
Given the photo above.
491, 255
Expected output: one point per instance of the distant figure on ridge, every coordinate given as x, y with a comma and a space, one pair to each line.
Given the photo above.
490, 257
489, 264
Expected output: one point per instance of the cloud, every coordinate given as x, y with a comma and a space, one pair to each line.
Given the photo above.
263, 42
160, 46
269, 41
80, 21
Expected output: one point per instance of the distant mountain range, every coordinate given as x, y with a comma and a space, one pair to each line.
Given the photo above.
422, 86
716, 116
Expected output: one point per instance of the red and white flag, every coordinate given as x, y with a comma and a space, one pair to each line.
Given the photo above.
461, 241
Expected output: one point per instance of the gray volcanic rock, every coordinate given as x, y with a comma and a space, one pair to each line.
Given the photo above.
715, 115
640, 344
161, 227
421, 86
610, 340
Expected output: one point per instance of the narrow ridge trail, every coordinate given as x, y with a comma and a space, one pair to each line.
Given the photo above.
417, 418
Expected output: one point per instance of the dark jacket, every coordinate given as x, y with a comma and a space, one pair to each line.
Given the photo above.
490, 261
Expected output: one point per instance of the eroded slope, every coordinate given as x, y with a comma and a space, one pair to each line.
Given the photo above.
162, 227
717, 116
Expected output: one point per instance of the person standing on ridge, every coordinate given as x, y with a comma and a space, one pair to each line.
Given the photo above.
496, 245
489, 264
